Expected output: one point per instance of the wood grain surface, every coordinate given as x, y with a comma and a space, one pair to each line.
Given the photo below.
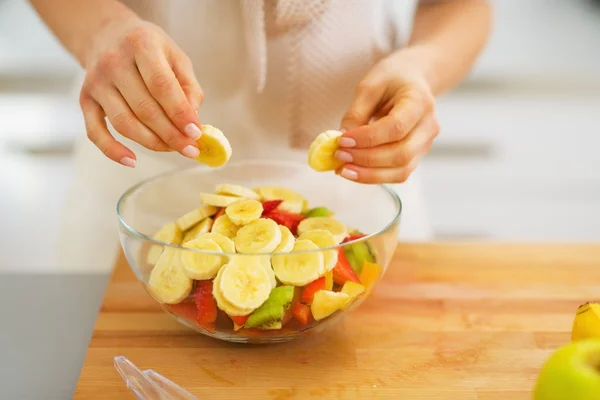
448, 321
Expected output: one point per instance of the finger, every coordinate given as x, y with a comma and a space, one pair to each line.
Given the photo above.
97, 132
126, 122
397, 154
379, 175
391, 128
184, 72
165, 88
366, 98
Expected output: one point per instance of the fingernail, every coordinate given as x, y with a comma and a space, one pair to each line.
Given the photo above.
343, 156
128, 162
190, 151
346, 142
192, 131
349, 174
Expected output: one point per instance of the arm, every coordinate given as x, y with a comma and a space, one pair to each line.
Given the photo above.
391, 122
447, 37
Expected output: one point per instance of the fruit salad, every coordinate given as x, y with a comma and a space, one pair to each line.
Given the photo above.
261, 268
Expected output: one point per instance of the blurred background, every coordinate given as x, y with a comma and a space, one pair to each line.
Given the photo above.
517, 158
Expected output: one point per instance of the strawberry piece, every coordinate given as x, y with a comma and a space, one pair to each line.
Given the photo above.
270, 205
353, 236
239, 320
219, 213
342, 271
287, 219
205, 302
185, 309
301, 313
309, 290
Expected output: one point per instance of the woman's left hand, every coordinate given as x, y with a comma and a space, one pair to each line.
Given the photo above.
390, 124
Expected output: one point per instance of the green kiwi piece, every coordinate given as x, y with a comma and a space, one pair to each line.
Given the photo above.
357, 254
270, 313
319, 212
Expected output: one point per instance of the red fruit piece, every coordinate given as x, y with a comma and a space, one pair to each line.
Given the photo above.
353, 236
270, 205
186, 309
342, 271
301, 313
219, 213
309, 290
205, 302
287, 219
239, 320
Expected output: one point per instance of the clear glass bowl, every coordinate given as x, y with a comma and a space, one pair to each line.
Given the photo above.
373, 210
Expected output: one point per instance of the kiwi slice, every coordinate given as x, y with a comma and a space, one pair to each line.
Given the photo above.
357, 254
271, 312
319, 212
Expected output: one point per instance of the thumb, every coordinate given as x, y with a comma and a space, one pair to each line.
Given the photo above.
365, 101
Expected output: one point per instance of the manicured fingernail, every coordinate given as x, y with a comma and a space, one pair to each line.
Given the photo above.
193, 131
343, 156
128, 162
346, 142
190, 151
349, 174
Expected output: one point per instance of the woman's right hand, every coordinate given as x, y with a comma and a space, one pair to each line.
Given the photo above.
145, 85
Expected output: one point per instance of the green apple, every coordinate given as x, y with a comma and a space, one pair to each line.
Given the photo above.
571, 373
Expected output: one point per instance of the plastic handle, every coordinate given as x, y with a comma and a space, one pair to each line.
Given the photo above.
170, 388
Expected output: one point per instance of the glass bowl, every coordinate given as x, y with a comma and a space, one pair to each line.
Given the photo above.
347, 270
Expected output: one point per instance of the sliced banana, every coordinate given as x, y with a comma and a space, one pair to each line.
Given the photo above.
236, 190
245, 284
225, 227
217, 200
337, 229
191, 218
259, 260
291, 201
222, 303
169, 233
225, 243
299, 269
259, 236
323, 239
201, 266
287, 240
201, 228
321, 153
266, 263
168, 283
244, 211
215, 149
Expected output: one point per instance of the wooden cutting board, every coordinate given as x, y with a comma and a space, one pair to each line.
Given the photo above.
448, 321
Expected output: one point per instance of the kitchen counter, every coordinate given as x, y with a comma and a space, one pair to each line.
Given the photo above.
453, 321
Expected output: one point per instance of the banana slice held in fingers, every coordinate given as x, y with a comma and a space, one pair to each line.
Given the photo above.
198, 265
236, 190
244, 211
321, 153
215, 149
168, 283
245, 284
225, 227
301, 268
323, 239
337, 229
259, 236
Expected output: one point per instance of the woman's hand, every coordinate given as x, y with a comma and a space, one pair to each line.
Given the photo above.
396, 97
145, 85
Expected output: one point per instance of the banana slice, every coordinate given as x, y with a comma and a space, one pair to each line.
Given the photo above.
217, 200
244, 211
244, 284
291, 201
266, 263
287, 240
322, 150
259, 236
236, 190
191, 218
201, 266
222, 303
337, 229
168, 283
299, 269
260, 260
225, 227
170, 233
323, 238
225, 243
214, 147
198, 230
